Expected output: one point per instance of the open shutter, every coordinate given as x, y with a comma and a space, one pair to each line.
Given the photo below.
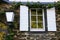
23, 18
51, 19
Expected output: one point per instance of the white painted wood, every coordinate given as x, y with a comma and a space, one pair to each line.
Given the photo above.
9, 16
23, 18
51, 19
34, 0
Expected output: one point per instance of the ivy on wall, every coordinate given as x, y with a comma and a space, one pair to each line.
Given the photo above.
37, 5
15, 6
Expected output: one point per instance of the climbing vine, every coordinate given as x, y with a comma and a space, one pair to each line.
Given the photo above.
15, 5
37, 5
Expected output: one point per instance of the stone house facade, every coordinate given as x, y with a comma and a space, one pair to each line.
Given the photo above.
49, 28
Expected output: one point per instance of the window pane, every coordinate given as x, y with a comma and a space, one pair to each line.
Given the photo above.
40, 18
36, 18
40, 25
39, 12
33, 18
33, 12
33, 25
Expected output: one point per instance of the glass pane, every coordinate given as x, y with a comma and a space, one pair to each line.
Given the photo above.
40, 25
39, 12
33, 25
33, 12
33, 18
40, 18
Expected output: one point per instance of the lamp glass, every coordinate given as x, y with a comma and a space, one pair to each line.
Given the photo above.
9, 16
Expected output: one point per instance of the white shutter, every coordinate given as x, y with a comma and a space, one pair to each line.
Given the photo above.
51, 19
23, 18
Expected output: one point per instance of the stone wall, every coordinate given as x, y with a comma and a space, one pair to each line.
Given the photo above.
41, 36
38, 36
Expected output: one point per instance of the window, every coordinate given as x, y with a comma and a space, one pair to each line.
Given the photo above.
37, 19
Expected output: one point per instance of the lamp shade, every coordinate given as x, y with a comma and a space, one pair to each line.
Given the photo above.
9, 16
